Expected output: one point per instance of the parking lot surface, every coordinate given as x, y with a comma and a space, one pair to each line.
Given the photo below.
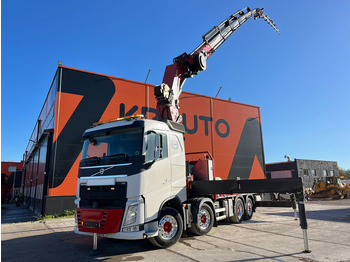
271, 235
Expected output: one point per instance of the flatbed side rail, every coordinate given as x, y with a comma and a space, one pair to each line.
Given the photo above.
283, 185
293, 186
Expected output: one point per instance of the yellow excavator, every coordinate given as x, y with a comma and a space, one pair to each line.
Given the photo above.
330, 187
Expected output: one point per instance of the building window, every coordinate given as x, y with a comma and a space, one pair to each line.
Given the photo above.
306, 172
324, 172
332, 173
313, 172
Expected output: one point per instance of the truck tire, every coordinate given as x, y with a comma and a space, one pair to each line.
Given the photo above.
249, 208
170, 227
238, 212
204, 222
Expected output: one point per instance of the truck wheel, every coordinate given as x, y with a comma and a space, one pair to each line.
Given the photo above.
205, 221
170, 227
249, 206
238, 212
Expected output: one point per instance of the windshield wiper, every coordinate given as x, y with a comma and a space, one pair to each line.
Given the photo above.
125, 155
92, 158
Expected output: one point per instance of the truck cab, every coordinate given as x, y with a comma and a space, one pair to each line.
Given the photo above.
130, 168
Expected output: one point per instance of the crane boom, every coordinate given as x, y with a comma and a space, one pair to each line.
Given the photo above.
220, 33
187, 65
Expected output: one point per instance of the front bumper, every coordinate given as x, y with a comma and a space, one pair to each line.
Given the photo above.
120, 235
101, 221
113, 223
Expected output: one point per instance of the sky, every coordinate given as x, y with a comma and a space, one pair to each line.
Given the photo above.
299, 79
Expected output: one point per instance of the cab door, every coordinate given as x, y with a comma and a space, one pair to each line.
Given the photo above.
178, 167
157, 178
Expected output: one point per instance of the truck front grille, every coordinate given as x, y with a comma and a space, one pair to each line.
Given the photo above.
103, 196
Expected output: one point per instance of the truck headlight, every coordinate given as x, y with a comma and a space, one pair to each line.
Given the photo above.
131, 215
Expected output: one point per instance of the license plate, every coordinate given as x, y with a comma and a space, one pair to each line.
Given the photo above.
92, 224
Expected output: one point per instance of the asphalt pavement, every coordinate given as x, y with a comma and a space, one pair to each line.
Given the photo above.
10, 213
271, 235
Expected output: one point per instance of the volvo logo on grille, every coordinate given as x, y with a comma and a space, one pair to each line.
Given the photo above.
102, 170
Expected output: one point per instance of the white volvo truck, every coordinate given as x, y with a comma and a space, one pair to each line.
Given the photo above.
134, 181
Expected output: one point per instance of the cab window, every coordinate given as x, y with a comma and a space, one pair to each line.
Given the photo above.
150, 146
163, 146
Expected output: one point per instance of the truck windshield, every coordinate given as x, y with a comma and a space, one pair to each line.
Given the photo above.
125, 142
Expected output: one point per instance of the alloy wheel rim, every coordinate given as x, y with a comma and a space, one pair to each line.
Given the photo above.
240, 210
167, 227
250, 208
203, 219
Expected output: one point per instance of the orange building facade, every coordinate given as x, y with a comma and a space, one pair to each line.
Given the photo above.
230, 131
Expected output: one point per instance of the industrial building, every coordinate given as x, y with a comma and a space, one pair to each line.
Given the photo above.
77, 99
309, 170
11, 178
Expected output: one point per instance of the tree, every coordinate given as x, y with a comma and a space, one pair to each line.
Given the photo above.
344, 173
